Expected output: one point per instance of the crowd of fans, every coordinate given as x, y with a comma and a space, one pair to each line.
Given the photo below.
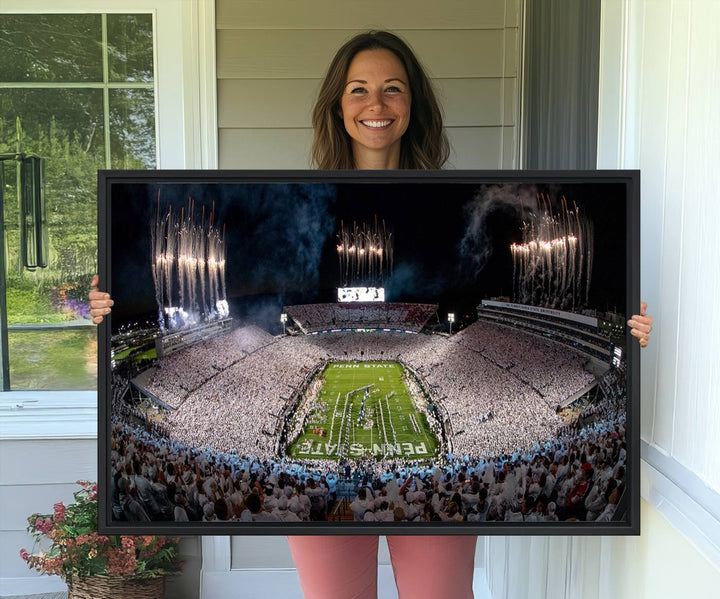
235, 401
180, 373
578, 476
510, 456
240, 408
322, 317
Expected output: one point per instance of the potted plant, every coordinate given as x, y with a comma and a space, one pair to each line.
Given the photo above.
95, 566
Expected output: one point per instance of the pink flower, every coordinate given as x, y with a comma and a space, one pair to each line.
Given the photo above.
54, 565
59, 512
44, 526
121, 562
70, 553
128, 543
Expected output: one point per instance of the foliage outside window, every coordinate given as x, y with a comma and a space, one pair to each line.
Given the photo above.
76, 90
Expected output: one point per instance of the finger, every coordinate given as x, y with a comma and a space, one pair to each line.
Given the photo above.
638, 326
643, 342
99, 305
98, 295
95, 281
641, 335
97, 319
640, 322
645, 319
643, 308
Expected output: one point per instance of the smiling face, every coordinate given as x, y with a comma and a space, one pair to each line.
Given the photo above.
375, 107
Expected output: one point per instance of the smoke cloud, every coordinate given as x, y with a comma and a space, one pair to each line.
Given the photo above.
287, 227
475, 247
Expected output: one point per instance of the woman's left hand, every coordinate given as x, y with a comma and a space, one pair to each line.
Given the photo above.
641, 325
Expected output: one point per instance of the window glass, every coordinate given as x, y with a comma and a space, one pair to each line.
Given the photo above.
132, 128
57, 102
130, 47
55, 359
37, 48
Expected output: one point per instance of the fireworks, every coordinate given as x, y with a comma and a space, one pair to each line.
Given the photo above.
365, 254
552, 266
187, 253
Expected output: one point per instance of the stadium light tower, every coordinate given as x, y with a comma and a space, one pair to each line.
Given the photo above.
451, 319
283, 319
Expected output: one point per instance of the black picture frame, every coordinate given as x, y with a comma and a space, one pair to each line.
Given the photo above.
415, 209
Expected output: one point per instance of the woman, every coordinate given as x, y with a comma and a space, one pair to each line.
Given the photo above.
377, 110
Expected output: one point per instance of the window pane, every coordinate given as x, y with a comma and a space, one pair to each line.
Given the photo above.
65, 128
50, 48
53, 359
130, 47
53, 122
132, 128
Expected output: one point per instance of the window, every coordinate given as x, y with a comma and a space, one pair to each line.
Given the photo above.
77, 91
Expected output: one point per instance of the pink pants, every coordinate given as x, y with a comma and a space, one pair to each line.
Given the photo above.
346, 567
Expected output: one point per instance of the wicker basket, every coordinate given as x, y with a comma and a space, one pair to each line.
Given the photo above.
116, 587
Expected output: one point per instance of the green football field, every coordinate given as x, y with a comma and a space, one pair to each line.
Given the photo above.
391, 426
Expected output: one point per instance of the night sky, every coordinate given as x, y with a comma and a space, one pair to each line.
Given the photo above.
451, 240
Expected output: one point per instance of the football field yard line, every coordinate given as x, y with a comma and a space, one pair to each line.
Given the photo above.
333, 416
392, 426
387, 391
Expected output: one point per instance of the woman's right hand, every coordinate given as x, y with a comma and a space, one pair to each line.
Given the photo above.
100, 302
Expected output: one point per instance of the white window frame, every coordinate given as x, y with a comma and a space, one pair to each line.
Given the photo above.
186, 132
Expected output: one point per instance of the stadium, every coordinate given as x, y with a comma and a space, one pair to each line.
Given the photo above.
502, 415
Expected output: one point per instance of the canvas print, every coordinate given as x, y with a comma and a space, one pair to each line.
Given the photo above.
317, 352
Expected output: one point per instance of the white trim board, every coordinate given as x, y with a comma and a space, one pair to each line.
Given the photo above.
48, 415
689, 505
248, 584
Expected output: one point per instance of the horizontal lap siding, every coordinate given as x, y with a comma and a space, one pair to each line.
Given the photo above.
34, 475
287, 103
307, 54
346, 14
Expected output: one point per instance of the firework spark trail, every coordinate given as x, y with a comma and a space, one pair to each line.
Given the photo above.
192, 254
156, 238
222, 265
195, 274
182, 257
170, 237
202, 264
364, 254
552, 266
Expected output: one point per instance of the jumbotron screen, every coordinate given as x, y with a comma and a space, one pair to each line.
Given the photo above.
369, 352
361, 294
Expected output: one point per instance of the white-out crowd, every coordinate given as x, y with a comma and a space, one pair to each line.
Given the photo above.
578, 476
230, 393
321, 317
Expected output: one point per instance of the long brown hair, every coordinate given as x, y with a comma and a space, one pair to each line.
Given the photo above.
424, 144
